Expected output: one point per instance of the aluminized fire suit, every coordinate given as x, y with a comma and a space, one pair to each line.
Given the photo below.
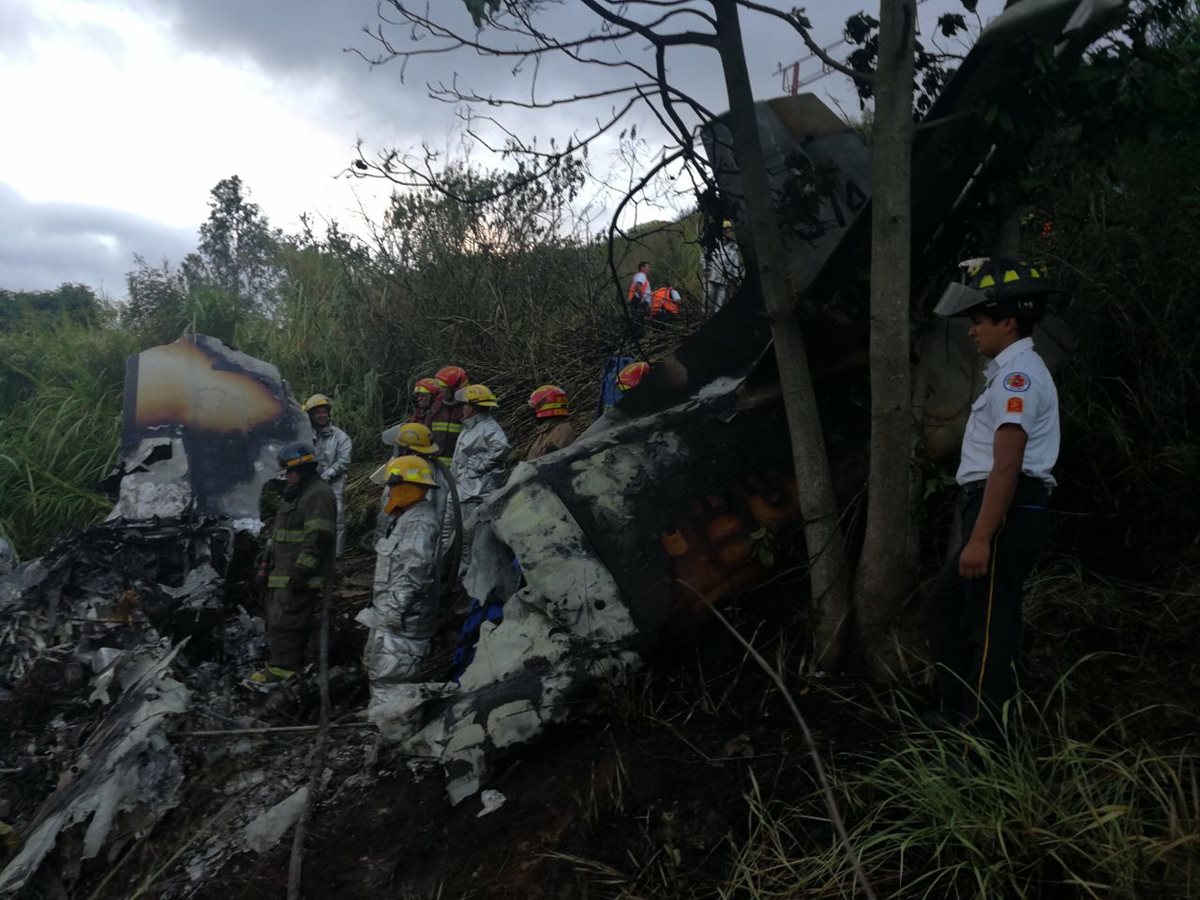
478, 456
723, 269
404, 604
333, 448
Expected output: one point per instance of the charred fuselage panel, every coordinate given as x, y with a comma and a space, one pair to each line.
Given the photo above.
201, 428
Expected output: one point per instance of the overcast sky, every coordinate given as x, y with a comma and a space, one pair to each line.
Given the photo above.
120, 115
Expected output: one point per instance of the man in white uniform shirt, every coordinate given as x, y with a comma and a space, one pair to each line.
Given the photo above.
1009, 447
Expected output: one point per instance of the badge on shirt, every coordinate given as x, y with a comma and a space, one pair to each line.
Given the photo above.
1017, 381
1016, 405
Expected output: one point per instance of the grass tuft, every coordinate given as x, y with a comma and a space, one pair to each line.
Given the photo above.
947, 815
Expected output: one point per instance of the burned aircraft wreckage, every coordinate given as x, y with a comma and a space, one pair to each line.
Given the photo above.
105, 637
596, 554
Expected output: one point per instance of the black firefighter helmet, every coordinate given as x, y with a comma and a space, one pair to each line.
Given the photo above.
297, 455
1001, 286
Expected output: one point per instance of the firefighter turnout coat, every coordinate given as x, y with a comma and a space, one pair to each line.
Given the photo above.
302, 547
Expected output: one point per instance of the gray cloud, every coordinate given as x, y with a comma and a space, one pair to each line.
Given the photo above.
303, 41
303, 45
43, 245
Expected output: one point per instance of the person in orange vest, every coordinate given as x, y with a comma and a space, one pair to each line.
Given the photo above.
639, 288
446, 420
554, 431
425, 395
664, 305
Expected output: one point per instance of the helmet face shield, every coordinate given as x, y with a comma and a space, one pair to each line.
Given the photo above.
403, 495
296, 454
1001, 286
959, 300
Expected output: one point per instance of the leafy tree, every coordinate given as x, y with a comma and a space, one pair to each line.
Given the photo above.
234, 274
163, 304
238, 250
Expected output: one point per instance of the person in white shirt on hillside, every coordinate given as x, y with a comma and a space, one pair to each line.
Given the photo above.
1009, 448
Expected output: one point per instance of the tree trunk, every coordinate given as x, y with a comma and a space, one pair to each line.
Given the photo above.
884, 577
822, 530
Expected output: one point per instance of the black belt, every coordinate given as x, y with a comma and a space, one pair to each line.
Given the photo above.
971, 488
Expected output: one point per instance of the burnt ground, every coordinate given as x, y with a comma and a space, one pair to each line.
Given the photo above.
643, 793
646, 798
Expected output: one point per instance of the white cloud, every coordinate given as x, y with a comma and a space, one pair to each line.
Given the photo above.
113, 115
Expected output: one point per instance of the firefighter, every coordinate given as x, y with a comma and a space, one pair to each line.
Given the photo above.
403, 613
723, 269
481, 450
446, 421
1009, 447
414, 439
554, 430
426, 393
639, 289
333, 447
664, 305
301, 552
630, 376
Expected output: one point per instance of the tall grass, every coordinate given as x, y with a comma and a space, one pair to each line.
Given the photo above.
946, 815
60, 421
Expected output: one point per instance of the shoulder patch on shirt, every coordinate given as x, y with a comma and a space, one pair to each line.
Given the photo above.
1017, 381
1016, 404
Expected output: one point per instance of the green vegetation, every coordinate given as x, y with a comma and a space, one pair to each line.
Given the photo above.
61, 379
1096, 796
500, 287
949, 816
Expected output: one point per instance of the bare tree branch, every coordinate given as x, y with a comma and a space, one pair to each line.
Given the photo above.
793, 19
693, 38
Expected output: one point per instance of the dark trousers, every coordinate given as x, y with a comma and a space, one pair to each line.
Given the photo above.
289, 622
974, 625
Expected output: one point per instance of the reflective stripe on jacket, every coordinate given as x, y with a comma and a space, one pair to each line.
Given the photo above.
445, 421
305, 533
